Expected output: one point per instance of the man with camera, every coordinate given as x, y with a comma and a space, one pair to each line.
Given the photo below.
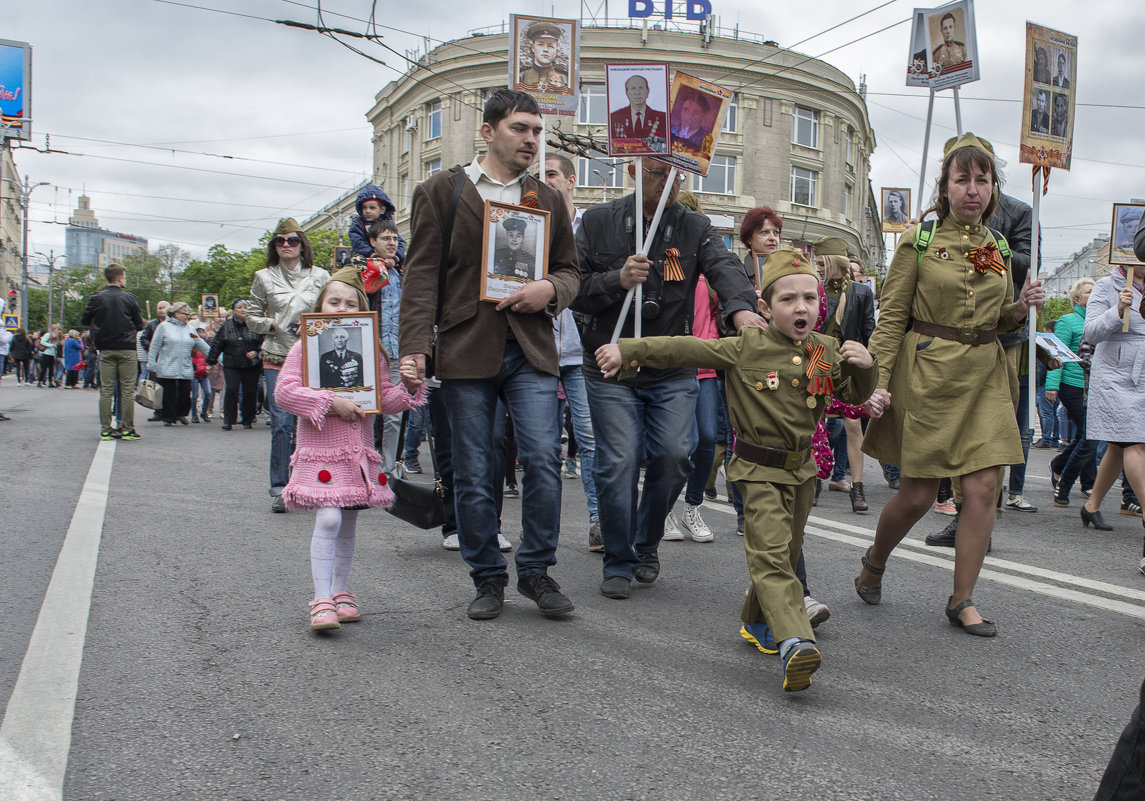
648, 419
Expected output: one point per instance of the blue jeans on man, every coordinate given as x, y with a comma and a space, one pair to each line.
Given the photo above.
652, 425
1018, 471
1047, 418
704, 434
472, 405
282, 425
572, 379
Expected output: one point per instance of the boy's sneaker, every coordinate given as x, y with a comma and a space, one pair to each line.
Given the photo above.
595, 542
816, 612
451, 543
503, 543
759, 635
130, 434
672, 531
570, 469
1020, 504
801, 660
946, 508
107, 435
511, 492
695, 525
1131, 508
412, 466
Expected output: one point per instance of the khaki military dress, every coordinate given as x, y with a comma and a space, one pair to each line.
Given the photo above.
952, 409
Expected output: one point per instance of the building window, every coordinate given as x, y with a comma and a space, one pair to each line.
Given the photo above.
433, 123
849, 149
403, 191
593, 105
432, 167
407, 136
731, 121
803, 186
847, 201
608, 173
721, 179
805, 130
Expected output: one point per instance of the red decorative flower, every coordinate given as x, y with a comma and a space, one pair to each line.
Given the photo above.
325, 476
382, 479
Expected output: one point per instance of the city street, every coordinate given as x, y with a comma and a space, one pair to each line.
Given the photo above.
200, 677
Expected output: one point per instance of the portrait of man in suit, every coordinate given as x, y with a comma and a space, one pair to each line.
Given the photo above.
1040, 116
1061, 77
691, 121
340, 366
638, 120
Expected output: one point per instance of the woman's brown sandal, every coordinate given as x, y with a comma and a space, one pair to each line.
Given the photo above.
870, 595
984, 629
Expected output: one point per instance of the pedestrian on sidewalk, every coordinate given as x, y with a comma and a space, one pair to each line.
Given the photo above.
113, 317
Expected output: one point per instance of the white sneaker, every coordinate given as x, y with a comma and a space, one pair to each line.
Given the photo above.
672, 532
816, 612
695, 525
503, 543
450, 543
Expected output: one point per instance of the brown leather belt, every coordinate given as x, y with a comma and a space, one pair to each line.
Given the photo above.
771, 457
965, 336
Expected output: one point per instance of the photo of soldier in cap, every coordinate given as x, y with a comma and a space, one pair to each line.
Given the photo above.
948, 51
543, 58
339, 367
513, 258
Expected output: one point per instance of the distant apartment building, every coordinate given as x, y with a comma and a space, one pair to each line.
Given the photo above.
88, 244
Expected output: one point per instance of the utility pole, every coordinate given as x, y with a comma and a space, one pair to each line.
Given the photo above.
25, 194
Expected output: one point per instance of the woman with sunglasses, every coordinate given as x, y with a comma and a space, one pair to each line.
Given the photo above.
281, 291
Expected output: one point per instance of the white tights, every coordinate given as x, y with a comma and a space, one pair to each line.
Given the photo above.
332, 549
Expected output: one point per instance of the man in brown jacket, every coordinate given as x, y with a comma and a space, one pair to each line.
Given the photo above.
488, 351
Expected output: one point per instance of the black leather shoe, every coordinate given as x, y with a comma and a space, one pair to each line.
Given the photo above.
487, 605
617, 587
546, 592
226, 426
648, 569
944, 538
1094, 518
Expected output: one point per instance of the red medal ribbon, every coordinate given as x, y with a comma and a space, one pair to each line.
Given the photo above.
672, 270
987, 258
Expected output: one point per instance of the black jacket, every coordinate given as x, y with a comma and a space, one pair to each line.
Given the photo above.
1013, 219
605, 240
114, 318
234, 341
148, 333
21, 349
858, 314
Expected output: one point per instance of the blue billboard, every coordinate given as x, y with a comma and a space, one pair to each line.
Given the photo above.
15, 89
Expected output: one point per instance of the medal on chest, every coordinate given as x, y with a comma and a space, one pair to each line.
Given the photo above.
773, 380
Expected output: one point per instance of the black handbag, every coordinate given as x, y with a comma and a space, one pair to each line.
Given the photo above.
418, 503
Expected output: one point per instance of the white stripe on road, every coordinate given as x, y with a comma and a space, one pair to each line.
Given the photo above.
36, 732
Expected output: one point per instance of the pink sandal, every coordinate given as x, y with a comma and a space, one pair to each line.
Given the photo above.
346, 606
323, 614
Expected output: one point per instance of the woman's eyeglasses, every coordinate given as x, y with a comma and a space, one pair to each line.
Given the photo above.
287, 241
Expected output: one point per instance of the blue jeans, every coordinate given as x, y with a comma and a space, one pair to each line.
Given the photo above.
725, 434
1018, 471
472, 407
654, 423
282, 425
704, 431
1047, 417
203, 384
572, 379
415, 433
1066, 429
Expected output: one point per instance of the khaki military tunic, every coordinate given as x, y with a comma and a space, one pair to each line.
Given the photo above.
952, 409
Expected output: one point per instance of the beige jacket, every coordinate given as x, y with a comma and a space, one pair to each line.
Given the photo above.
277, 297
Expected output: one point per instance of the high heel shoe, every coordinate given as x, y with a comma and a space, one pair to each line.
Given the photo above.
1095, 518
984, 629
870, 595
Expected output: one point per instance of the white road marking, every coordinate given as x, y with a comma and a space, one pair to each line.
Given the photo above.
35, 735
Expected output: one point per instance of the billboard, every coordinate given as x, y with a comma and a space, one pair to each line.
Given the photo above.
15, 89
1048, 100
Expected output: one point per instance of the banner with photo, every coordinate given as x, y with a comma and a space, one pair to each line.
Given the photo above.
1126, 216
1048, 100
544, 61
696, 117
943, 46
637, 97
16, 89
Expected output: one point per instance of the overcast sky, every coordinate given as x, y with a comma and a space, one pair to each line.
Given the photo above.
124, 86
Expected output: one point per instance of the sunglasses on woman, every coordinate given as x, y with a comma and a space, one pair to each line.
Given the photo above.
287, 241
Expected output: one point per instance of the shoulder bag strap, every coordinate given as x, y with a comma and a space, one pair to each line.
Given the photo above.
446, 236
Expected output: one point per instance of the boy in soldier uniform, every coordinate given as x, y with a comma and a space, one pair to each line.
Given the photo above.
779, 382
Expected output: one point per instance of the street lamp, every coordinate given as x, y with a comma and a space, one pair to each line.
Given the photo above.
25, 194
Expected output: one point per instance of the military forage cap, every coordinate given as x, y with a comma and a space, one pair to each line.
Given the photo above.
351, 276
539, 29
830, 246
288, 225
966, 140
784, 262
514, 224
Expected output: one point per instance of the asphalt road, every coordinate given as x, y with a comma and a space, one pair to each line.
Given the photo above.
200, 678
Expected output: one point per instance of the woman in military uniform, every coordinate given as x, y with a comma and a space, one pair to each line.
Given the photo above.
945, 392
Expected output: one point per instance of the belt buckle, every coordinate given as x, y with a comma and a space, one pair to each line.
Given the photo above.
793, 461
968, 336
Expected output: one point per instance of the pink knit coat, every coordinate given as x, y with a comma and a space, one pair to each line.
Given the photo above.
334, 461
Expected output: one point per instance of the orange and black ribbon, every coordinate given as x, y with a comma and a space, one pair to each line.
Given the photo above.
986, 258
1045, 178
529, 200
818, 385
672, 269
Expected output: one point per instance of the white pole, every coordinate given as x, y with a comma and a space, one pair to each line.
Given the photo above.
957, 112
541, 151
1032, 320
639, 301
925, 148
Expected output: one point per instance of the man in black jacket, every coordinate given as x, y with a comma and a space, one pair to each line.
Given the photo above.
648, 419
114, 317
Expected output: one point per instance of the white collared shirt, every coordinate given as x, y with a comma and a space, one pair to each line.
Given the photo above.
490, 188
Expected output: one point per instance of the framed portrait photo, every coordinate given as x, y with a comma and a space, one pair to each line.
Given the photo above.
342, 256
210, 305
695, 118
896, 209
544, 62
1126, 217
340, 353
515, 250
637, 97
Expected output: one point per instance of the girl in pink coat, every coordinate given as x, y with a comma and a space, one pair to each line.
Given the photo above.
335, 468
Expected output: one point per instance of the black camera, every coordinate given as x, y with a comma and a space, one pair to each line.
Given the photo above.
650, 308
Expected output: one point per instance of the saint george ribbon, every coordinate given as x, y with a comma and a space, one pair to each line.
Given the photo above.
818, 385
672, 269
986, 258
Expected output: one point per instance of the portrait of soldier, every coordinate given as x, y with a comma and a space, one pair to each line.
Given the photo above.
949, 52
1041, 65
340, 366
542, 73
514, 259
690, 121
1061, 77
1040, 116
895, 207
1059, 126
638, 120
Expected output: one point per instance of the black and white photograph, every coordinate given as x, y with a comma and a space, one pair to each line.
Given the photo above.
210, 305
515, 249
1040, 115
1126, 216
1049, 105
544, 60
896, 209
1061, 68
943, 51
340, 353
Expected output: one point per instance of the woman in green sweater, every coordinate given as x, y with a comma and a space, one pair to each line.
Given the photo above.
1067, 384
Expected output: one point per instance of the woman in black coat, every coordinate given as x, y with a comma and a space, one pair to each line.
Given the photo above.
239, 348
22, 352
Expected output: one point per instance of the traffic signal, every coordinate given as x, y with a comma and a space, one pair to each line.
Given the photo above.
13, 300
